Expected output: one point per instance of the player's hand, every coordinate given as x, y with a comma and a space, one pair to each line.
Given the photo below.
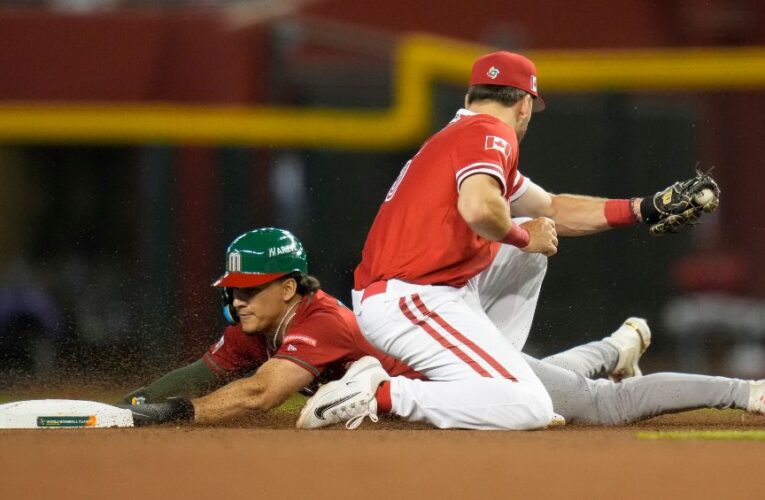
171, 410
543, 238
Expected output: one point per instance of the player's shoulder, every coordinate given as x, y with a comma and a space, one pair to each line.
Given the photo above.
481, 125
321, 301
323, 306
323, 319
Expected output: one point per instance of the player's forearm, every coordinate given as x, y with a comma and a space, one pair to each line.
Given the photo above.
577, 215
236, 400
191, 380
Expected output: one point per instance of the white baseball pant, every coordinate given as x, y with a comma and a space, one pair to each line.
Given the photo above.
508, 291
476, 379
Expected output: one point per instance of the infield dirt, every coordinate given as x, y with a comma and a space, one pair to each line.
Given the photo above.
268, 459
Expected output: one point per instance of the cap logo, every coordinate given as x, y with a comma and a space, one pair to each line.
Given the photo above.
234, 262
534, 83
492, 73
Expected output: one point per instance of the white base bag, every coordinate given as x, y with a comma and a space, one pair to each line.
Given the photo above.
62, 414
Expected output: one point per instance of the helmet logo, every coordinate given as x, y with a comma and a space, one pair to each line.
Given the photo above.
234, 262
493, 72
276, 251
534, 83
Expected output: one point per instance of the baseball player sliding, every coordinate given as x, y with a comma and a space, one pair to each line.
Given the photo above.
295, 335
448, 282
284, 326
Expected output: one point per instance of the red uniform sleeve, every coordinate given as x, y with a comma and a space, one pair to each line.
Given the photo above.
322, 339
236, 352
486, 148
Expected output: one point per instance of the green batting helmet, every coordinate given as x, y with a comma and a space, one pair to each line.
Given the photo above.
260, 256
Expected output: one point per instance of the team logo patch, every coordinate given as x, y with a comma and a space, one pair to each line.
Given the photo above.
299, 339
498, 143
534, 83
291, 348
493, 72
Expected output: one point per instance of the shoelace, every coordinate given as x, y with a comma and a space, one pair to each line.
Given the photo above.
354, 421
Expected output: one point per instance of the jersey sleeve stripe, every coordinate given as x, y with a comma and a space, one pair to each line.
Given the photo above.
520, 187
310, 368
212, 365
482, 168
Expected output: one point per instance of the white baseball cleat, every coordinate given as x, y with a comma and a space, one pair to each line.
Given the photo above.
348, 400
631, 340
756, 397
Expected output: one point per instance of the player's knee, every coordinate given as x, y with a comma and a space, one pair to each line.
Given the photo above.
539, 407
534, 412
542, 408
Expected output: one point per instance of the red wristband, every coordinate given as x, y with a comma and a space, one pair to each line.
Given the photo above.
619, 213
517, 236
384, 401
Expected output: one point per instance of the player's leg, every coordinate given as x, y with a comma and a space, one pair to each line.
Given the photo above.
477, 380
508, 291
484, 404
617, 355
582, 400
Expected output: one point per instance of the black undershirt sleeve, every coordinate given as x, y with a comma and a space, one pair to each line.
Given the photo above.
189, 381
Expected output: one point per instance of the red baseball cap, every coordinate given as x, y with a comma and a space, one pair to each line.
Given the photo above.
510, 70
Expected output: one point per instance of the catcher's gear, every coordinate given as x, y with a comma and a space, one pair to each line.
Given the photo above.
256, 258
680, 204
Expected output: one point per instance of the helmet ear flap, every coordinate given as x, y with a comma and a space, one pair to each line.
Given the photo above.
227, 301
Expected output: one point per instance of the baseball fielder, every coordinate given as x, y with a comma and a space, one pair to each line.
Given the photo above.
295, 335
448, 281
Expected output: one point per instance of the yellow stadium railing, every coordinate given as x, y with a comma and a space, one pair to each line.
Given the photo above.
420, 61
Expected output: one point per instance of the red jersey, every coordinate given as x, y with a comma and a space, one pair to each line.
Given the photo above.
419, 235
322, 336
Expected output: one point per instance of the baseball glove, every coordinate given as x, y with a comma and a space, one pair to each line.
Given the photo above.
681, 204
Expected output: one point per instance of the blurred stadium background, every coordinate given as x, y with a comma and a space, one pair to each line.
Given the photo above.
137, 138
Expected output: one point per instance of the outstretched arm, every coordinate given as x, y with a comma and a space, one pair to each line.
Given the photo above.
271, 386
667, 211
576, 215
